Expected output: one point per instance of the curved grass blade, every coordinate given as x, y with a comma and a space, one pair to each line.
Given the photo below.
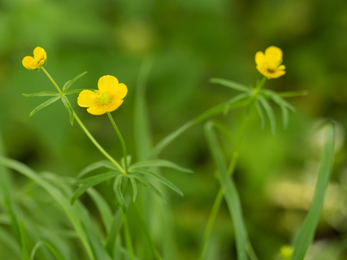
270, 113
103, 207
43, 105
96, 165
68, 84
159, 178
261, 114
134, 186
306, 234
230, 193
147, 232
202, 117
68, 106
77, 215
235, 100
90, 182
117, 187
9, 241
49, 246
142, 132
158, 163
230, 84
42, 94
145, 182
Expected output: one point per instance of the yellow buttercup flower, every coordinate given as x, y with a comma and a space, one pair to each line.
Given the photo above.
269, 64
35, 63
107, 99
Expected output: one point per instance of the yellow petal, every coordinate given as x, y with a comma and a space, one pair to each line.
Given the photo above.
107, 82
30, 63
40, 56
87, 98
119, 92
277, 74
114, 105
97, 110
281, 67
259, 58
274, 53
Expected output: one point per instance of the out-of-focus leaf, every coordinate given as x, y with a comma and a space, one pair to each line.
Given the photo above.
230, 84
42, 94
117, 187
158, 163
96, 165
68, 106
68, 84
270, 113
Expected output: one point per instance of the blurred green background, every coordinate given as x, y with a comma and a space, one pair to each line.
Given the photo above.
189, 42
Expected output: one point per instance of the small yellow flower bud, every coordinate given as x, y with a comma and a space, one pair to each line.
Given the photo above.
35, 63
269, 64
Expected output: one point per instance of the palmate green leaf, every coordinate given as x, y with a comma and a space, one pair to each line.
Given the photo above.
68, 106
158, 163
235, 100
103, 207
230, 193
43, 105
90, 182
270, 113
230, 84
306, 234
97, 165
160, 178
77, 214
202, 117
49, 246
42, 94
117, 187
133, 185
147, 183
68, 84
261, 114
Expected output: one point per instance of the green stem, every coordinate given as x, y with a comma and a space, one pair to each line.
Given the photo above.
125, 155
109, 157
239, 140
128, 237
52, 80
84, 128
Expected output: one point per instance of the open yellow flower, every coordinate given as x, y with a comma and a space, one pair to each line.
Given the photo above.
36, 62
269, 64
107, 99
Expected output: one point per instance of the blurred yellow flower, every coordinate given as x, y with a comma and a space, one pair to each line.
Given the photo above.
36, 62
286, 252
107, 99
269, 64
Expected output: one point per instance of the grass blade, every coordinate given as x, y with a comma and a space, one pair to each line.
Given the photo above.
292, 93
230, 193
306, 234
160, 179
68, 84
230, 84
42, 94
43, 105
270, 113
49, 246
202, 117
77, 214
90, 182
158, 163
142, 132
68, 106
103, 207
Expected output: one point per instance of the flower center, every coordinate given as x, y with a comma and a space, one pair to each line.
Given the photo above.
104, 99
271, 67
